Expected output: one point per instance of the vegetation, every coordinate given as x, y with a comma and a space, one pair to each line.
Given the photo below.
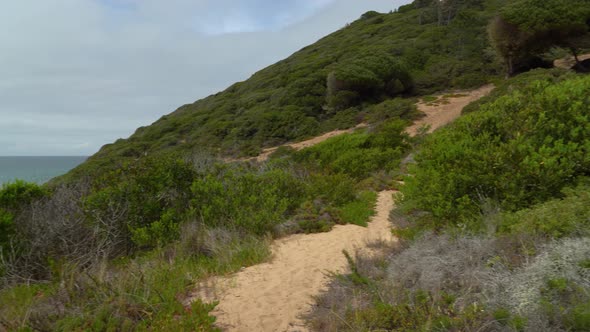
120, 252
526, 27
493, 220
493, 223
519, 150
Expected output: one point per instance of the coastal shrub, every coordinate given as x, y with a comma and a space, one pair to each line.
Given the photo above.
145, 292
19, 193
416, 289
49, 231
519, 150
359, 154
391, 109
6, 228
502, 88
147, 198
445, 282
549, 293
335, 189
252, 201
359, 211
366, 77
556, 218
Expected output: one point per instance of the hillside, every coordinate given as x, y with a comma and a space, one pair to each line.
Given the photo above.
380, 56
490, 229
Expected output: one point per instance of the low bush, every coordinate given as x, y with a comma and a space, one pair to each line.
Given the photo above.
359, 212
465, 283
360, 154
390, 109
520, 150
253, 202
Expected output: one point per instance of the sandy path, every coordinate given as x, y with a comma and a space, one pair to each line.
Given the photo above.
271, 296
569, 62
446, 109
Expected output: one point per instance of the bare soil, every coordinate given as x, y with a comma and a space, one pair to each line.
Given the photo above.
272, 296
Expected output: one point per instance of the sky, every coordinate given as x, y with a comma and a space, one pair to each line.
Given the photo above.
78, 74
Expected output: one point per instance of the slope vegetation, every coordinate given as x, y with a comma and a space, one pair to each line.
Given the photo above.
493, 223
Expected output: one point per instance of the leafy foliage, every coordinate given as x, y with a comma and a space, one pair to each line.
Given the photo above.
16, 194
245, 200
556, 218
360, 154
519, 150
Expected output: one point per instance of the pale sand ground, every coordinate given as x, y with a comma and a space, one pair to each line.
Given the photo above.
272, 296
569, 62
441, 112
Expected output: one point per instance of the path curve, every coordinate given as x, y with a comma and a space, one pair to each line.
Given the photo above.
271, 296
446, 108
570, 62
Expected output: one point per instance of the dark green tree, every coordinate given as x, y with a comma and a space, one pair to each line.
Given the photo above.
528, 27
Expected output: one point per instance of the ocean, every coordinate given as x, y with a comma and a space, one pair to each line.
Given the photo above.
36, 169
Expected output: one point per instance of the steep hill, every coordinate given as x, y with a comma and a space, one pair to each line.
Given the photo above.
421, 48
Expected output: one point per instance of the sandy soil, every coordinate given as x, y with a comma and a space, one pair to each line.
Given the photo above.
446, 108
271, 296
569, 62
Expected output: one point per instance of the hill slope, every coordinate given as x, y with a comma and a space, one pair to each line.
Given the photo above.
326, 85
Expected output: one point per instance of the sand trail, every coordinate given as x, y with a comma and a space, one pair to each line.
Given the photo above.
569, 62
446, 108
271, 296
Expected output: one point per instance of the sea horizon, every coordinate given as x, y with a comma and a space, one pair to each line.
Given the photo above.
38, 169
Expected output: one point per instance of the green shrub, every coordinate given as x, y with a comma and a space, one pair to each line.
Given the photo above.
15, 194
152, 196
254, 202
359, 212
556, 218
520, 150
392, 109
6, 228
359, 154
335, 189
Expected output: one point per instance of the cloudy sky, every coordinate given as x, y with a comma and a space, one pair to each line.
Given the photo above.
77, 74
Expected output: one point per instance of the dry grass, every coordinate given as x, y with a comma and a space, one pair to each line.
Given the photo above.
467, 278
